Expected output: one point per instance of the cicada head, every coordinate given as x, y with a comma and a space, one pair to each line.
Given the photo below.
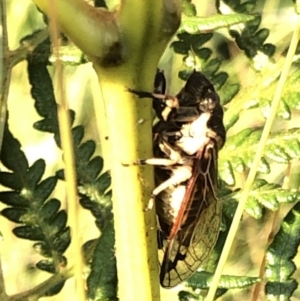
200, 93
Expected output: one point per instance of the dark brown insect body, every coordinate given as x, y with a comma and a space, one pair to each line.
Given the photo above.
187, 139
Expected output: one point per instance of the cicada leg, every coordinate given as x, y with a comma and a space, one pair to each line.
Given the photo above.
179, 175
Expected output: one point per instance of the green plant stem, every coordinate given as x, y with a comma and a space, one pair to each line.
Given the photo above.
135, 230
136, 252
256, 161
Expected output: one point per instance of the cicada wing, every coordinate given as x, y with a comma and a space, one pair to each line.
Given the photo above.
181, 261
195, 240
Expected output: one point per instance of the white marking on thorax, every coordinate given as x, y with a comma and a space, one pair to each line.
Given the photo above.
194, 135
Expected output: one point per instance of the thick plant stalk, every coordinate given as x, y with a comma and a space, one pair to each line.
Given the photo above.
125, 48
136, 252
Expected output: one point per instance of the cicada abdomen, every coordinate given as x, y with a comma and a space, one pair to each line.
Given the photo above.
191, 233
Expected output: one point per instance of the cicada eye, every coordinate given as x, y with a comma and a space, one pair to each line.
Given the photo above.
209, 102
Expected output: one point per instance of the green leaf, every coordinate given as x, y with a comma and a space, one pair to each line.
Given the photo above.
85, 151
39, 220
188, 8
247, 7
102, 281
42, 93
260, 92
77, 133
103, 182
283, 111
58, 222
46, 265
284, 247
13, 198
11, 154
35, 173
49, 209
187, 42
196, 25
187, 296
264, 194
203, 53
54, 290
219, 79
94, 167
211, 67
279, 264
282, 146
45, 125
14, 214
101, 209
203, 280
261, 35
239, 151
29, 232
226, 173
228, 92
11, 180
268, 49
62, 241
281, 291
44, 189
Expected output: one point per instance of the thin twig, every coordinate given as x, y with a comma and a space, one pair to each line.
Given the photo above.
3, 294
5, 71
40, 290
69, 160
3, 98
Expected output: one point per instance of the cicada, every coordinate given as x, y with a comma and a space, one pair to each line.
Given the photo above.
187, 138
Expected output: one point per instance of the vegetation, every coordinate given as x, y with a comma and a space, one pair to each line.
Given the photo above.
64, 169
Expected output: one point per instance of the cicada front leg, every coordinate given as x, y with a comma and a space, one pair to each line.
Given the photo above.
179, 174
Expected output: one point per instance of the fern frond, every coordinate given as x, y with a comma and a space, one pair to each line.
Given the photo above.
281, 147
263, 195
203, 279
279, 258
196, 25
29, 205
102, 281
248, 36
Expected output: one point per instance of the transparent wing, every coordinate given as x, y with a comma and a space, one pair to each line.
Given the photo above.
199, 227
